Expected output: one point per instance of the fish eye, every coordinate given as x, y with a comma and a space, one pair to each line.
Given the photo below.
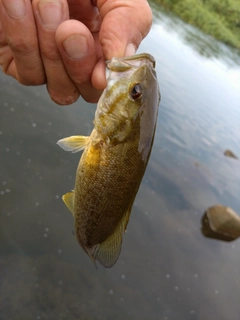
136, 91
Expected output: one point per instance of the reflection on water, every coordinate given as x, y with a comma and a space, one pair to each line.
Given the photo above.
167, 269
202, 43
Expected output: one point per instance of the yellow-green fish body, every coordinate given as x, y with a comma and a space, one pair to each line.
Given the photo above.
115, 156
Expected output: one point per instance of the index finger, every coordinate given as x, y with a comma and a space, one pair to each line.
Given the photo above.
19, 51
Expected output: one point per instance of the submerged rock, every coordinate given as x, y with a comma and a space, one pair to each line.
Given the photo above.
229, 153
221, 223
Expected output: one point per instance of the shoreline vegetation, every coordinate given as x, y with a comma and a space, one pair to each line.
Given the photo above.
218, 18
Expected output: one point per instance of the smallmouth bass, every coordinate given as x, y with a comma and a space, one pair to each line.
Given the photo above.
115, 156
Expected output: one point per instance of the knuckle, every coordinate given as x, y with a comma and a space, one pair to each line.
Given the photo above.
31, 78
91, 96
90, 100
63, 99
149, 20
50, 53
30, 81
18, 46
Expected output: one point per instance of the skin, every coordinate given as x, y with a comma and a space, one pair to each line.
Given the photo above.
39, 44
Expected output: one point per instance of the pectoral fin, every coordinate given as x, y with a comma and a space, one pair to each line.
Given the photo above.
73, 143
68, 199
108, 251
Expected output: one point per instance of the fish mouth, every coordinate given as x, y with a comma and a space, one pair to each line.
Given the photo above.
126, 63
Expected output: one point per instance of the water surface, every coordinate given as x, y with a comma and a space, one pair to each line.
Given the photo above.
167, 269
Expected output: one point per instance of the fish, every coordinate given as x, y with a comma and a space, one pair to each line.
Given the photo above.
114, 157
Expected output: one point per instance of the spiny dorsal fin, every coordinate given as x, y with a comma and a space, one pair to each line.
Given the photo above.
73, 143
68, 199
108, 251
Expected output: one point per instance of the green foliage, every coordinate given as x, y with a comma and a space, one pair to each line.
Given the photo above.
219, 18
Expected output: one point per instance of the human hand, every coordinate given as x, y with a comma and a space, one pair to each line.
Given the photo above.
65, 43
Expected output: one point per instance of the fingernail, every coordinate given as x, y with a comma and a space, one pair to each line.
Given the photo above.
76, 47
130, 50
15, 9
51, 13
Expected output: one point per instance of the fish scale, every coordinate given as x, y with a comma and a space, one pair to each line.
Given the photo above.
115, 156
116, 180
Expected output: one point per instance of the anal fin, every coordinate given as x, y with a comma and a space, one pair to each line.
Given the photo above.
107, 252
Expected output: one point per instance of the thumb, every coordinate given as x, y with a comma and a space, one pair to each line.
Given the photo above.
124, 25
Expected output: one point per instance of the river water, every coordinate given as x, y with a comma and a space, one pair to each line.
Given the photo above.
167, 269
